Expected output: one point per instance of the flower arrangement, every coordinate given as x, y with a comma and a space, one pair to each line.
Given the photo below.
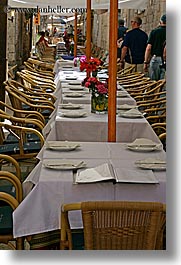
99, 99
95, 86
89, 65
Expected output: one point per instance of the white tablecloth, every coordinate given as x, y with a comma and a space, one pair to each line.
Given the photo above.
40, 210
94, 128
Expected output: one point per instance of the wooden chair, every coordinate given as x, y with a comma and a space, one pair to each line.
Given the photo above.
23, 113
163, 138
31, 91
151, 96
41, 65
126, 70
31, 67
116, 225
156, 119
23, 149
29, 122
137, 87
135, 79
8, 205
159, 128
39, 75
12, 179
148, 89
21, 102
34, 82
8, 159
152, 106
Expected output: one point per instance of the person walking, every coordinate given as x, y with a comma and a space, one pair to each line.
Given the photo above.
42, 39
121, 34
153, 62
134, 46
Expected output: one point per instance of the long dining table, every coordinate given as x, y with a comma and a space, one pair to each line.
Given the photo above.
50, 188
46, 188
93, 127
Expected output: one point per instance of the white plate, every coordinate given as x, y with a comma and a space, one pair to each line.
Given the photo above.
122, 94
70, 106
69, 67
67, 72
71, 78
150, 163
126, 107
132, 113
131, 116
74, 95
76, 82
63, 164
76, 87
62, 146
74, 114
144, 145
145, 148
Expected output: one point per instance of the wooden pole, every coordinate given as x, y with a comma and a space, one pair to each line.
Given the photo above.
88, 42
112, 86
75, 35
3, 45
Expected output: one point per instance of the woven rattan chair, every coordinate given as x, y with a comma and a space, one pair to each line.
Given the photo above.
7, 205
32, 91
31, 67
116, 225
126, 70
41, 65
159, 128
12, 179
23, 149
29, 122
151, 96
8, 159
20, 102
23, 113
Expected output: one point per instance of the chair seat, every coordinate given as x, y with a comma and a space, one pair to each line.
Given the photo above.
12, 139
10, 189
44, 112
6, 222
29, 147
67, 57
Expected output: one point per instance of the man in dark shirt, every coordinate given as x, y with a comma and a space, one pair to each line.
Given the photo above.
134, 46
121, 34
154, 51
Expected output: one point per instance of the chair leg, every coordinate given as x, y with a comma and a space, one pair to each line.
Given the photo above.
20, 243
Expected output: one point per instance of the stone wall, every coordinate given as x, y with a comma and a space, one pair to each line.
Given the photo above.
18, 40
150, 17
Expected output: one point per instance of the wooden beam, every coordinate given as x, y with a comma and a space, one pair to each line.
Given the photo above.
3, 47
112, 86
75, 35
88, 35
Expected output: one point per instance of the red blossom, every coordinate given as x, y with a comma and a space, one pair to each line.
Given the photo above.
90, 65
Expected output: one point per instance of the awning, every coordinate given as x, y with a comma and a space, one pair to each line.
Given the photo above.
95, 4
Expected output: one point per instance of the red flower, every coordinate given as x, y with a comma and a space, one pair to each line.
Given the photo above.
90, 65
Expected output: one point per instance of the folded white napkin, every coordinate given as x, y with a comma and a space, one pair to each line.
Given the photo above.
122, 93
133, 112
73, 114
62, 144
142, 142
63, 163
126, 107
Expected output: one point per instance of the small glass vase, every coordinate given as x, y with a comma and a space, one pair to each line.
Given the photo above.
99, 104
